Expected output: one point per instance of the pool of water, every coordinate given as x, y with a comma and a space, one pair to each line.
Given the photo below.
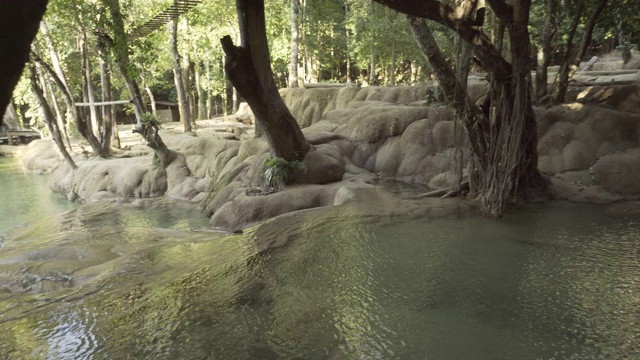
25, 198
147, 279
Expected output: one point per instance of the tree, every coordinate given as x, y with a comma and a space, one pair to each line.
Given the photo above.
146, 124
81, 124
573, 56
48, 114
119, 46
249, 69
502, 133
293, 62
19, 21
185, 108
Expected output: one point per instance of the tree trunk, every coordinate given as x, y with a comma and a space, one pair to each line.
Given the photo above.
347, 41
183, 102
49, 119
572, 57
202, 109
392, 72
234, 100
544, 51
120, 49
19, 21
55, 59
210, 100
152, 100
88, 88
81, 124
189, 70
293, 61
463, 61
55, 62
504, 148
107, 113
249, 69
48, 87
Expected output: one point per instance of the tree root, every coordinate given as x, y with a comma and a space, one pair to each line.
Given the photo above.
445, 193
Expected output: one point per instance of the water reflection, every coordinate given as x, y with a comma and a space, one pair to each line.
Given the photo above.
131, 279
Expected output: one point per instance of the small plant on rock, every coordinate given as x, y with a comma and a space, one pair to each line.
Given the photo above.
279, 172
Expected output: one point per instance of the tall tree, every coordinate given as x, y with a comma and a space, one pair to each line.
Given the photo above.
544, 50
503, 134
19, 21
249, 69
183, 101
81, 124
573, 56
49, 118
293, 62
119, 46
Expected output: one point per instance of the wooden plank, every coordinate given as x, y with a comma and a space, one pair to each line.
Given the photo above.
105, 103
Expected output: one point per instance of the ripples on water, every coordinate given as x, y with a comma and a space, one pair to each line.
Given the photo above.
132, 280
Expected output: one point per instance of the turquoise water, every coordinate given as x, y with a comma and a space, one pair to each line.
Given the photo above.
147, 279
25, 198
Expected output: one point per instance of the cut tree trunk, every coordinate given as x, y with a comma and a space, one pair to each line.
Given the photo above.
249, 69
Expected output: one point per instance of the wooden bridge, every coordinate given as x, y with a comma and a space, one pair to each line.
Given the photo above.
178, 8
13, 137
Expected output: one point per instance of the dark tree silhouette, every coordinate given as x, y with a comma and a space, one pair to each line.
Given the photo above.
19, 22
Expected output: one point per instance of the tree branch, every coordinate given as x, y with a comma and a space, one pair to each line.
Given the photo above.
503, 10
488, 56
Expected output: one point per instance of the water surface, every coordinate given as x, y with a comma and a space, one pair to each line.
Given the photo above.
147, 279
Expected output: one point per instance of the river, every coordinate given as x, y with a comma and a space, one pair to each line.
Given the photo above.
148, 279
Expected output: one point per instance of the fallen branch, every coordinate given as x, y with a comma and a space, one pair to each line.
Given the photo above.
446, 192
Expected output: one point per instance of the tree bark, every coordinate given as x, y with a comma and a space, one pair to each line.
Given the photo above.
200, 94
249, 69
48, 87
80, 123
88, 88
293, 61
19, 21
392, 71
118, 44
183, 102
455, 94
544, 51
55, 62
49, 118
504, 147
210, 100
573, 57
152, 100
107, 110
